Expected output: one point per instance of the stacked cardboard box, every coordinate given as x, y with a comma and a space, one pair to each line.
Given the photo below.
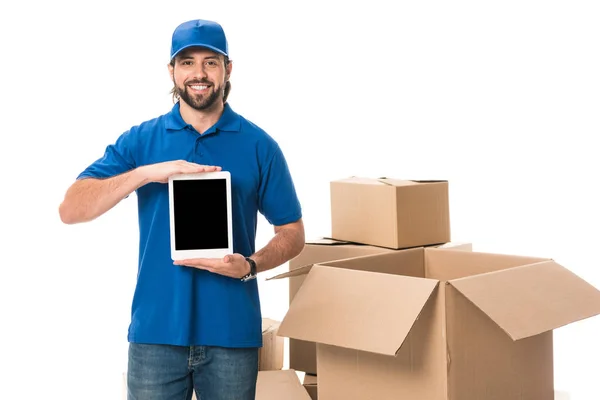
390, 213
372, 216
279, 385
389, 313
270, 357
310, 384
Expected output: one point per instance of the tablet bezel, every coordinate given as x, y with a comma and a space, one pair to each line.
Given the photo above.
201, 253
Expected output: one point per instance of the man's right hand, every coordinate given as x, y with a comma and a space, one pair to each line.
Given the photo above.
161, 172
89, 198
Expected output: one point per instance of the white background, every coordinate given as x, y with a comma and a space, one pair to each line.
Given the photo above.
500, 98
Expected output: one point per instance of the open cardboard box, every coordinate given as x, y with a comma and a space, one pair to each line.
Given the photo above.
436, 324
310, 384
303, 354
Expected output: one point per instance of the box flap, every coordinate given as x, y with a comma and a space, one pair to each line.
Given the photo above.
360, 180
277, 385
411, 182
295, 272
325, 241
384, 181
388, 262
355, 309
269, 324
532, 299
462, 246
309, 379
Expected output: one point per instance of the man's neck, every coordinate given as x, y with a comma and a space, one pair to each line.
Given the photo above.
201, 120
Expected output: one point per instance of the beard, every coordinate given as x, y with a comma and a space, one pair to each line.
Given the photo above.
199, 102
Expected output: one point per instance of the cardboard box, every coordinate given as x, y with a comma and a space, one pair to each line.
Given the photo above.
271, 354
310, 384
436, 324
279, 385
390, 213
303, 354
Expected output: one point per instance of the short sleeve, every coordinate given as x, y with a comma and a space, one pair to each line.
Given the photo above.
118, 158
277, 198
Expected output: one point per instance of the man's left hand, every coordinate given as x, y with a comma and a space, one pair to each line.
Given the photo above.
232, 265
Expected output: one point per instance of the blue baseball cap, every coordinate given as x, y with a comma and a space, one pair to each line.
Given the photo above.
199, 33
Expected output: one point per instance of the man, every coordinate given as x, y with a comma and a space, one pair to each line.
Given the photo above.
195, 324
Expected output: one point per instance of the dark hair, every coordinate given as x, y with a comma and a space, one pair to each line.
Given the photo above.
225, 91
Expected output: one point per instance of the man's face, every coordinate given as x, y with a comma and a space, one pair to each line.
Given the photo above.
199, 76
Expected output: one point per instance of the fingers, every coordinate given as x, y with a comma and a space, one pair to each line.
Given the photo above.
210, 264
235, 257
195, 262
231, 265
209, 168
189, 167
161, 172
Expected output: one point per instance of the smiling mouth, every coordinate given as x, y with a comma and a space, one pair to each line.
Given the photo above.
198, 88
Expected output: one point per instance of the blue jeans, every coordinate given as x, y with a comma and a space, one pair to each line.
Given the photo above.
161, 372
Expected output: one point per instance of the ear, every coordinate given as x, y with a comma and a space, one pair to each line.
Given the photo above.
228, 70
171, 69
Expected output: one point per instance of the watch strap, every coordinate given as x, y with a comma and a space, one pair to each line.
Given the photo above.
252, 273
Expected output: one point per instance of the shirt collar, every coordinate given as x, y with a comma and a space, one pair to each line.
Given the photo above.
229, 120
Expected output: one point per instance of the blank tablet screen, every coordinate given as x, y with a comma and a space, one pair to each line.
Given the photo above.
200, 214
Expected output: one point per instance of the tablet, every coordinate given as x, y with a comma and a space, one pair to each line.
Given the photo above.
200, 214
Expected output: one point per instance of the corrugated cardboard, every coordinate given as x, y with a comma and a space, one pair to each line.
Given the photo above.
436, 324
271, 354
303, 354
280, 385
310, 384
390, 213
464, 246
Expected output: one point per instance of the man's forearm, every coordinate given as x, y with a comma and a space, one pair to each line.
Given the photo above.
89, 198
285, 245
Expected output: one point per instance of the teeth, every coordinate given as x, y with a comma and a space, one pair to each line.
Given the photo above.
196, 87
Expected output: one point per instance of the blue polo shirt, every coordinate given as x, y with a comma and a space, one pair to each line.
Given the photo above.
181, 305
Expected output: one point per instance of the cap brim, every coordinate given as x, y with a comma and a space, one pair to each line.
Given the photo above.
206, 46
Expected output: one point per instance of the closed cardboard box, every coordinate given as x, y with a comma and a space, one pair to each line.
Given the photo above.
280, 385
390, 213
270, 356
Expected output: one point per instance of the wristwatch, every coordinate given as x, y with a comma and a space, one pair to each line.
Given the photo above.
252, 273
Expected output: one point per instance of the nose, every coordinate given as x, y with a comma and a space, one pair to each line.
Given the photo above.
200, 72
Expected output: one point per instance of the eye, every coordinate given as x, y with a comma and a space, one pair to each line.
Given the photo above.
211, 63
